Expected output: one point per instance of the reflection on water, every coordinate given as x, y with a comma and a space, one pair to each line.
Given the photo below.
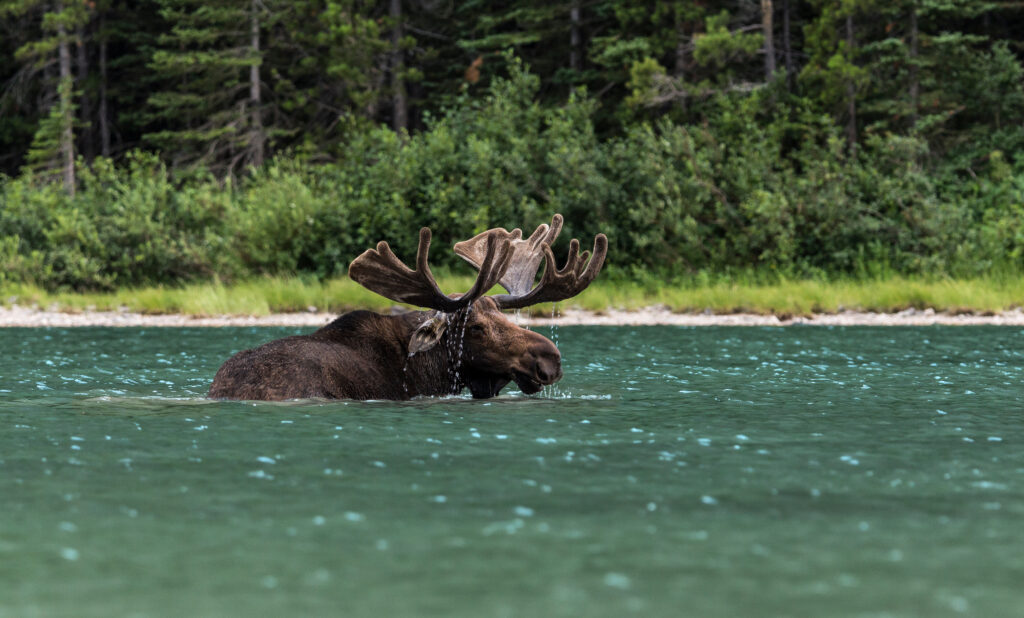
705, 472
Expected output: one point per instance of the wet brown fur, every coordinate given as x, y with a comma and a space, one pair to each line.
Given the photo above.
364, 355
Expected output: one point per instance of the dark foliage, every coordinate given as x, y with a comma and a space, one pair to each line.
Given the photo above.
273, 137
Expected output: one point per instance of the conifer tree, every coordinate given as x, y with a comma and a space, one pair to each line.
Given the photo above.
552, 36
834, 70
210, 110
947, 85
52, 152
329, 64
717, 58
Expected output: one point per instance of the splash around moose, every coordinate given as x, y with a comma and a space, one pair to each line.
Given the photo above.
463, 341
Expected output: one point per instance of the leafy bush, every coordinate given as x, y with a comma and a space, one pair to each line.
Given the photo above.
763, 185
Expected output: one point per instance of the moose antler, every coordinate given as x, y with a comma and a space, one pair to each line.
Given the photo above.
560, 284
526, 254
380, 271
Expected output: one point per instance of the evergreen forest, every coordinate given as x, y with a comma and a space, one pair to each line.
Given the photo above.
171, 141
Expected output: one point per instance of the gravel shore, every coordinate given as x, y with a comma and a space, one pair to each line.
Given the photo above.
16, 316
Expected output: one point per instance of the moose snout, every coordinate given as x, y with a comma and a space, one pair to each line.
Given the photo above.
547, 366
548, 371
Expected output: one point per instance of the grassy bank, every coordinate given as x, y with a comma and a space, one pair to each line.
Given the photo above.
786, 297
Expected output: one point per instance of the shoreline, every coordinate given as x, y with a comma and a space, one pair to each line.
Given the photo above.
16, 316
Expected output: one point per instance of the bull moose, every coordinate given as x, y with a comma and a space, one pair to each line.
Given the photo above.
462, 341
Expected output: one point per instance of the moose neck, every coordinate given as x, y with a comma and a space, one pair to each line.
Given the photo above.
437, 371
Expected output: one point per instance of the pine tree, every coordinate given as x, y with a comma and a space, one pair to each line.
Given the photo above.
210, 110
329, 61
665, 32
833, 70
934, 78
52, 151
19, 111
717, 56
552, 36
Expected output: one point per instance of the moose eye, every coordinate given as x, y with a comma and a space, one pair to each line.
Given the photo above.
476, 329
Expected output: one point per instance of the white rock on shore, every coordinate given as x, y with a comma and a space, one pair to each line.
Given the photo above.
17, 316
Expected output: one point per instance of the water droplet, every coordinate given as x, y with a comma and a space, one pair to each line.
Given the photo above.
959, 605
617, 580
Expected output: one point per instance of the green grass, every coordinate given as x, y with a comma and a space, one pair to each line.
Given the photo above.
803, 297
793, 297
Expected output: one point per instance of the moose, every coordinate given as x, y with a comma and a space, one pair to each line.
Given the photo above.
460, 341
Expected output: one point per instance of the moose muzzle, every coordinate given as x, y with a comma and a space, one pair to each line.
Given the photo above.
542, 365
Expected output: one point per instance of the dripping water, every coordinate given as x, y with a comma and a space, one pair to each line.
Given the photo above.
456, 324
405, 374
553, 390
554, 326
462, 335
449, 318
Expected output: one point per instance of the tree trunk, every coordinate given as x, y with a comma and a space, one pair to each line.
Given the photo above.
681, 41
767, 10
65, 89
575, 55
787, 45
88, 145
400, 105
914, 78
851, 91
258, 138
104, 112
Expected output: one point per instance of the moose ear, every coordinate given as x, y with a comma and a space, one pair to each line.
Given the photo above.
427, 335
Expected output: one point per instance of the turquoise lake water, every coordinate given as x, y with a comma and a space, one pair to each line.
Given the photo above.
801, 471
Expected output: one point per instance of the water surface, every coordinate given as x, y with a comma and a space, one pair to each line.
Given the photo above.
803, 471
